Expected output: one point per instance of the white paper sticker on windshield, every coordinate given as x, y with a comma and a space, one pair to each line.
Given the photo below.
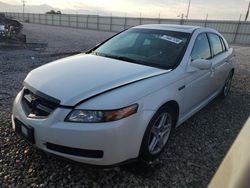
171, 39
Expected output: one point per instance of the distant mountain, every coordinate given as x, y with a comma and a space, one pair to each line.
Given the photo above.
82, 8
5, 7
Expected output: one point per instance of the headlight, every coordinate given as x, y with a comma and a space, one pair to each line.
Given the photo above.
97, 116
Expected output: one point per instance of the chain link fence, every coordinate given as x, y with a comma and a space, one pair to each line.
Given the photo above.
236, 32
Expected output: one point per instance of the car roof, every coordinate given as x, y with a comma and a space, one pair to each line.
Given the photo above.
170, 27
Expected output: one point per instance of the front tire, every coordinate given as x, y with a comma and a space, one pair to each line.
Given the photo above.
157, 133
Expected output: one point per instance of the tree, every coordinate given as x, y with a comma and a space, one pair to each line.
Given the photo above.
54, 12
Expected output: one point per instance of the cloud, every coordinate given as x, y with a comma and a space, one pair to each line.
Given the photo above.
217, 9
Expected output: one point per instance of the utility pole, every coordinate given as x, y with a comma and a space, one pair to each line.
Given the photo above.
159, 18
140, 18
206, 16
188, 9
182, 16
247, 12
23, 1
205, 25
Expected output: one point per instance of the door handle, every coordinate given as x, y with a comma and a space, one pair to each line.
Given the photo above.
212, 71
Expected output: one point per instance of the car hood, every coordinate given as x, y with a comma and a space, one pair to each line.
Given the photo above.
82, 76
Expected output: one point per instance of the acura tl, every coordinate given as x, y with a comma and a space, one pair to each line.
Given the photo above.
121, 100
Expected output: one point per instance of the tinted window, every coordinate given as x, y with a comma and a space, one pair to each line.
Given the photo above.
201, 48
158, 48
226, 44
128, 41
223, 44
216, 43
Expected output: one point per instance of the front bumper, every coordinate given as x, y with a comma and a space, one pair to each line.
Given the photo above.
118, 141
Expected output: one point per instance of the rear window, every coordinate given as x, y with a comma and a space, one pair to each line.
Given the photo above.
215, 43
223, 44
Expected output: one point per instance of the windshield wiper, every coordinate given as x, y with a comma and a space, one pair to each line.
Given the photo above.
131, 60
122, 58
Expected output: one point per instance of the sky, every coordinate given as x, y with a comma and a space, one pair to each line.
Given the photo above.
216, 9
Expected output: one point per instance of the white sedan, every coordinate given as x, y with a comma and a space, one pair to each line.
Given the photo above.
121, 100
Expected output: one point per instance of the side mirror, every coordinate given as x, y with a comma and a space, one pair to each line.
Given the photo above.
202, 64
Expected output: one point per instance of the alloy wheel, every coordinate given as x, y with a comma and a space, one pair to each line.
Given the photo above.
159, 133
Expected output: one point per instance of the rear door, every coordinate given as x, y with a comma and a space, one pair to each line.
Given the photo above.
219, 61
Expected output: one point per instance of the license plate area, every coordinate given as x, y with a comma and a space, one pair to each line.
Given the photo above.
25, 131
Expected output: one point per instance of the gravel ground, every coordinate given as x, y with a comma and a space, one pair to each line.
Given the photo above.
63, 39
190, 160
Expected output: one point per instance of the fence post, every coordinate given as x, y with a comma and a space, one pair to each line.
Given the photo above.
98, 23
87, 24
77, 21
52, 19
236, 32
60, 19
125, 22
33, 17
39, 17
111, 22
46, 19
68, 20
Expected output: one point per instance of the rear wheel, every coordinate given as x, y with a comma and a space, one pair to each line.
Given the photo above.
157, 133
227, 87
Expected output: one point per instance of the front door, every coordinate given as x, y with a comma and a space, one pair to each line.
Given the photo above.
198, 82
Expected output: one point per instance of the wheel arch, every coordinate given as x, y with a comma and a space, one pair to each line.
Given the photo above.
232, 71
173, 104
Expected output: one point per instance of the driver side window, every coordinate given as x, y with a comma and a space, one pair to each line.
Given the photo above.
201, 49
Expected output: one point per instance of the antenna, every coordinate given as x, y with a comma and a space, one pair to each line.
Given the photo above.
188, 9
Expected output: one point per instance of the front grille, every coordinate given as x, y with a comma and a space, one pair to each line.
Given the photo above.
37, 106
75, 151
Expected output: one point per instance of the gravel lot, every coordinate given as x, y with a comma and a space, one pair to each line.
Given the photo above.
190, 160
62, 39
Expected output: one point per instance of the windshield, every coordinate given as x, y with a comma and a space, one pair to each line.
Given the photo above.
157, 48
